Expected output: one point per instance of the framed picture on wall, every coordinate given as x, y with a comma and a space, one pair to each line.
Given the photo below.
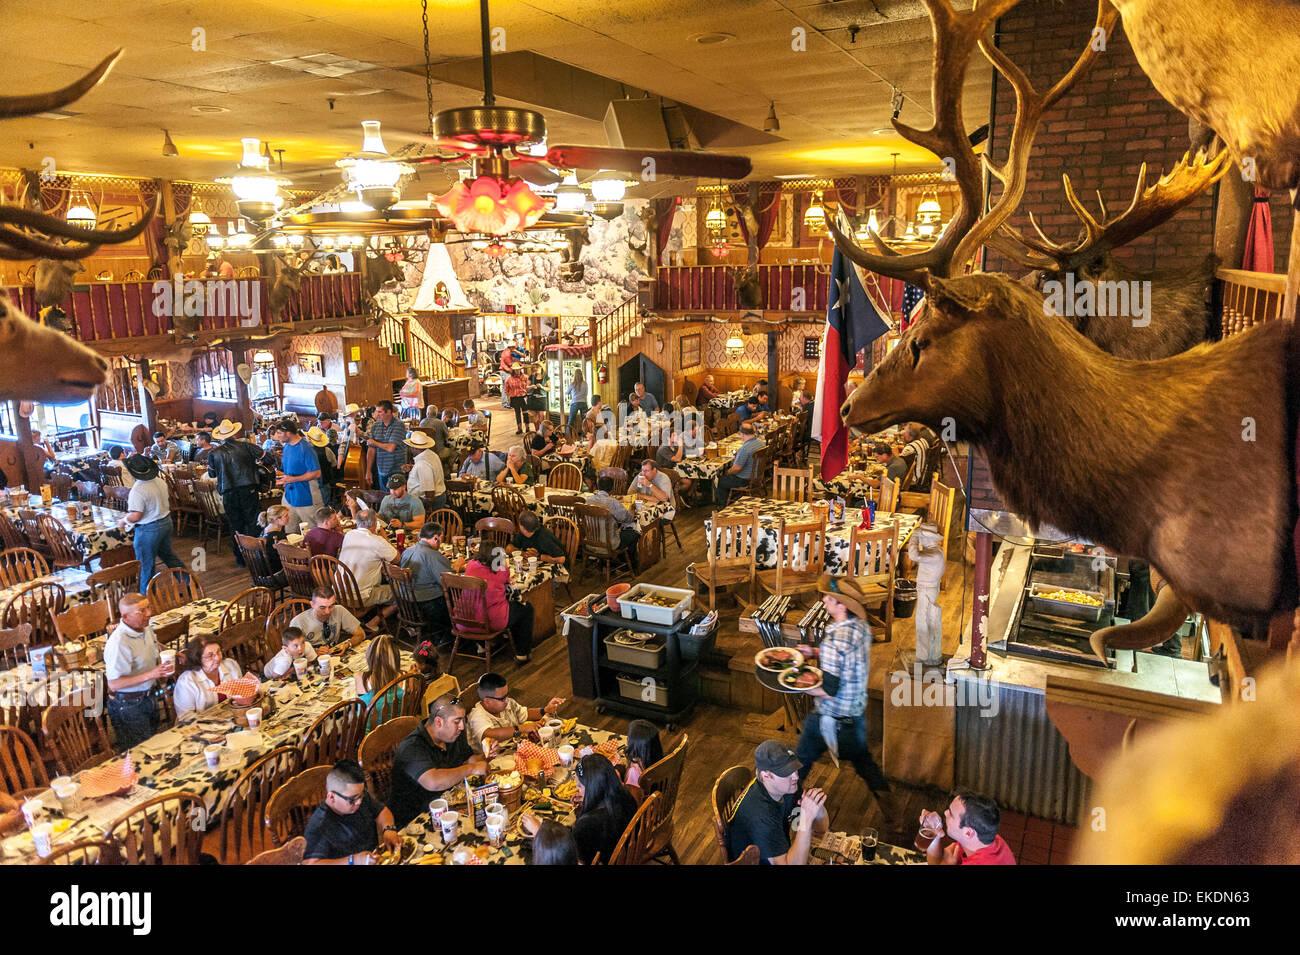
354, 368
812, 348
313, 365
691, 348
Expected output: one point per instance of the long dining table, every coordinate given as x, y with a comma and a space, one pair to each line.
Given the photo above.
94, 529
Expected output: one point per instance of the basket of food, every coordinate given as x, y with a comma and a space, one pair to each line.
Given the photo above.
658, 605
1067, 602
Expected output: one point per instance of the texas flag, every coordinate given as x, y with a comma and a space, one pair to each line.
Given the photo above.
852, 324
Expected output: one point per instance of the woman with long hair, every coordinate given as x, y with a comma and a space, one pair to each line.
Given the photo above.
643, 749
605, 809
274, 522
577, 396
412, 394
553, 845
383, 666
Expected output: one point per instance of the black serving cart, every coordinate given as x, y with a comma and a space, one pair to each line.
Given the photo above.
665, 694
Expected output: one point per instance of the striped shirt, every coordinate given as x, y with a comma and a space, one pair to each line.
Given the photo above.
845, 652
394, 433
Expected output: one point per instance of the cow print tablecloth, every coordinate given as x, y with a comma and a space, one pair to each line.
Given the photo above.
646, 512
94, 534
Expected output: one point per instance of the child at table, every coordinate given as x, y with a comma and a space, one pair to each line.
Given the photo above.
643, 750
293, 645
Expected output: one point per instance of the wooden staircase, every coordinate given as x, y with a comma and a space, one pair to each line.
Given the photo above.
618, 336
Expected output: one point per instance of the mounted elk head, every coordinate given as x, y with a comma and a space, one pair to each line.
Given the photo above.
69, 371
54, 280
177, 238
744, 278
380, 270
288, 282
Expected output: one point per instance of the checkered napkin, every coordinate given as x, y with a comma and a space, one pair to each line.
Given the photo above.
111, 777
239, 689
609, 749
527, 750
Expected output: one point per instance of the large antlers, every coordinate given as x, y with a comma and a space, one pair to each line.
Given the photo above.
955, 37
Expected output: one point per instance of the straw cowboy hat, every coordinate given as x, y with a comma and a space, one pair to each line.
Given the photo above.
316, 436
419, 440
227, 429
351, 409
141, 468
845, 591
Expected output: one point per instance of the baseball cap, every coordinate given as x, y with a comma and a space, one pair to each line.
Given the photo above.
773, 756
395, 481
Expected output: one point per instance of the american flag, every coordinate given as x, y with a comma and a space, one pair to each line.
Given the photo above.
913, 299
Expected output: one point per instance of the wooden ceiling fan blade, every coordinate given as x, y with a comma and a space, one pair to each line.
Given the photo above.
533, 171
667, 162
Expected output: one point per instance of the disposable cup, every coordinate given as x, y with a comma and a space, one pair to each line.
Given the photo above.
299, 667
33, 810
566, 754
41, 838
168, 657
496, 828
449, 823
254, 716
69, 796
496, 808
532, 565
437, 808
325, 664
213, 756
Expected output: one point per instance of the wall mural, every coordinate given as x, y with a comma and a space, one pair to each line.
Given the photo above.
532, 284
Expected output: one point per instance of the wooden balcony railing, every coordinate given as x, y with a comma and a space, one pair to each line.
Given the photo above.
613, 330
784, 288
1249, 298
110, 311
427, 356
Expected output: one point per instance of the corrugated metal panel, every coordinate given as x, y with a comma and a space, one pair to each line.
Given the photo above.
1018, 756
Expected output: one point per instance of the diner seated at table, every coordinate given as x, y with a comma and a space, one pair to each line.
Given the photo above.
162, 450
132, 662
517, 470
274, 522
749, 409
480, 464
629, 529
653, 484
535, 540
895, 464
971, 821
430, 416
294, 645
605, 808
117, 456
596, 422
383, 666
742, 465
45, 448
426, 476
401, 509
327, 624
498, 717
364, 551
765, 813
205, 670
427, 564
202, 446
502, 612
553, 845
326, 537
472, 417
649, 403
644, 749
707, 392
432, 758
350, 823
543, 442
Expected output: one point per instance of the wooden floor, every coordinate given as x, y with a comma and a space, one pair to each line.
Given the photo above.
716, 731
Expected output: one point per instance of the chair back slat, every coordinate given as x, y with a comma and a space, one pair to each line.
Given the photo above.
290, 806
633, 846
113, 582
618, 475
507, 503
376, 753
568, 533
172, 587
296, 563
21, 565
77, 740
14, 644
253, 603
253, 550
939, 513
467, 604
331, 572
728, 789
281, 616
21, 765
498, 530
792, 484
36, 604
81, 621
600, 534
565, 476
335, 735
732, 537
664, 778
243, 830
86, 852
162, 831
889, 491
401, 697
453, 525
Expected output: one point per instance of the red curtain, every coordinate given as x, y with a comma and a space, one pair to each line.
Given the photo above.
153, 236
1258, 254
665, 210
769, 204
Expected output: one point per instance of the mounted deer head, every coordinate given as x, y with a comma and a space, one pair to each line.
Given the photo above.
54, 280
745, 280
288, 282
380, 270
178, 235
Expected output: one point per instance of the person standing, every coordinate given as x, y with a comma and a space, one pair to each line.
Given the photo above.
132, 663
149, 513
426, 475
328, 460
299, 474
577, 396
386, 439
516, 389
412, 394
234, 464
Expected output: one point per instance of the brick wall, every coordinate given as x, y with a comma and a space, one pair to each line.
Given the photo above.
1100, 133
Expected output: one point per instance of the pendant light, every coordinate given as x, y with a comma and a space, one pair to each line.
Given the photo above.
569, 196
255, 187
814, 217
372, 174
608, 186
80, 212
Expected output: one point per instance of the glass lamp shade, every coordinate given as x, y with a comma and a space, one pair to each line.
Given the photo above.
715, 220
199, 222
608, 187
253, 158
82, 215
371, 141
607, 210
215, 240
263, 357
873, 224
491, 205
569, 196
735, 345
814, 217
929, 207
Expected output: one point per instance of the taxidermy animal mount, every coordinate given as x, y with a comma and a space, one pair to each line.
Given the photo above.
1101, 447
745, 280
380, 270
54, 280
571, 268
288, 281
69, 371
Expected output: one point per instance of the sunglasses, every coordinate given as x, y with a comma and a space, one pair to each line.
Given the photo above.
350, 800
438, 707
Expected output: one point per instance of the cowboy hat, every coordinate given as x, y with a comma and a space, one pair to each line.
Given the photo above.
351, 409
141, 468
227, 429
245, 372
316, 436
845, 591
420, 440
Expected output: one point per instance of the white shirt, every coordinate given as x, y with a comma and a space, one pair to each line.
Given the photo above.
129, 653
150, 499
194, 691
282, 664
364, 552
341, 624
426, 475
480, 720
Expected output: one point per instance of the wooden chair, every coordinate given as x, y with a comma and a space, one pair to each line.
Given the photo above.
748, 857
410, 619
939, 513
677, 503
36, 604
889, 491
173, 635
21, 765
436, 688
729, 549
291, 854
792, 484
250, 604
562, 505
245, 642
453, 525
86, 852
116, 556
460, 496
29, 522
618, 476
296, 563
63, 549
757, 486
633, 847
376, 753
76, 740
187, 505
113, 583
800, 559
161, 831
331, 572
499, 530
568, 533
280, 617
21, 565
872, 565
664, 779
728, 790
565, 476
401, 697
649, 547
335, 734
290, 806
506, 503
13, 646
253, 550
467, 603
243, 827
621, 459
600, 540
213, 519
11, 534
171, 588
81, 621
116, 496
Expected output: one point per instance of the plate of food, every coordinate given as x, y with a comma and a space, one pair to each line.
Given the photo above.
802, 677
777, 659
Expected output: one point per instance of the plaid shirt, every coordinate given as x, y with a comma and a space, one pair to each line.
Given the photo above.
845, 652
395, 433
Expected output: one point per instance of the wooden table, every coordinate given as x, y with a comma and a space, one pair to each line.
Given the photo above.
92, 535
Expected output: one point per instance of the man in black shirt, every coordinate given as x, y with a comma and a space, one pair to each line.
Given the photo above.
536, 541
895, 464
347, 826
763, 816
434, 757
234, 464
543, 442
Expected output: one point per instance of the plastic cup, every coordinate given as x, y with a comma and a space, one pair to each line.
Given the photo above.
33, 809
870, 839
924, 838
449, 823
532, 565
299, 667
213, 756
566, 754
436, 809
254, 716
325, 664
168, 657
303, 528
58, 781
41, 838
496, 828
496, 808
69, 796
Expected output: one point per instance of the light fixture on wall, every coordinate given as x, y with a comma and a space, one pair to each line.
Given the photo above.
735, 344
928, 214
607, 210
870, 225
263, 358
771, 124
814, 217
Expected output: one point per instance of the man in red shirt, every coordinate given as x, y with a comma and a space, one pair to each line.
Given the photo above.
971, 821
326, 537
